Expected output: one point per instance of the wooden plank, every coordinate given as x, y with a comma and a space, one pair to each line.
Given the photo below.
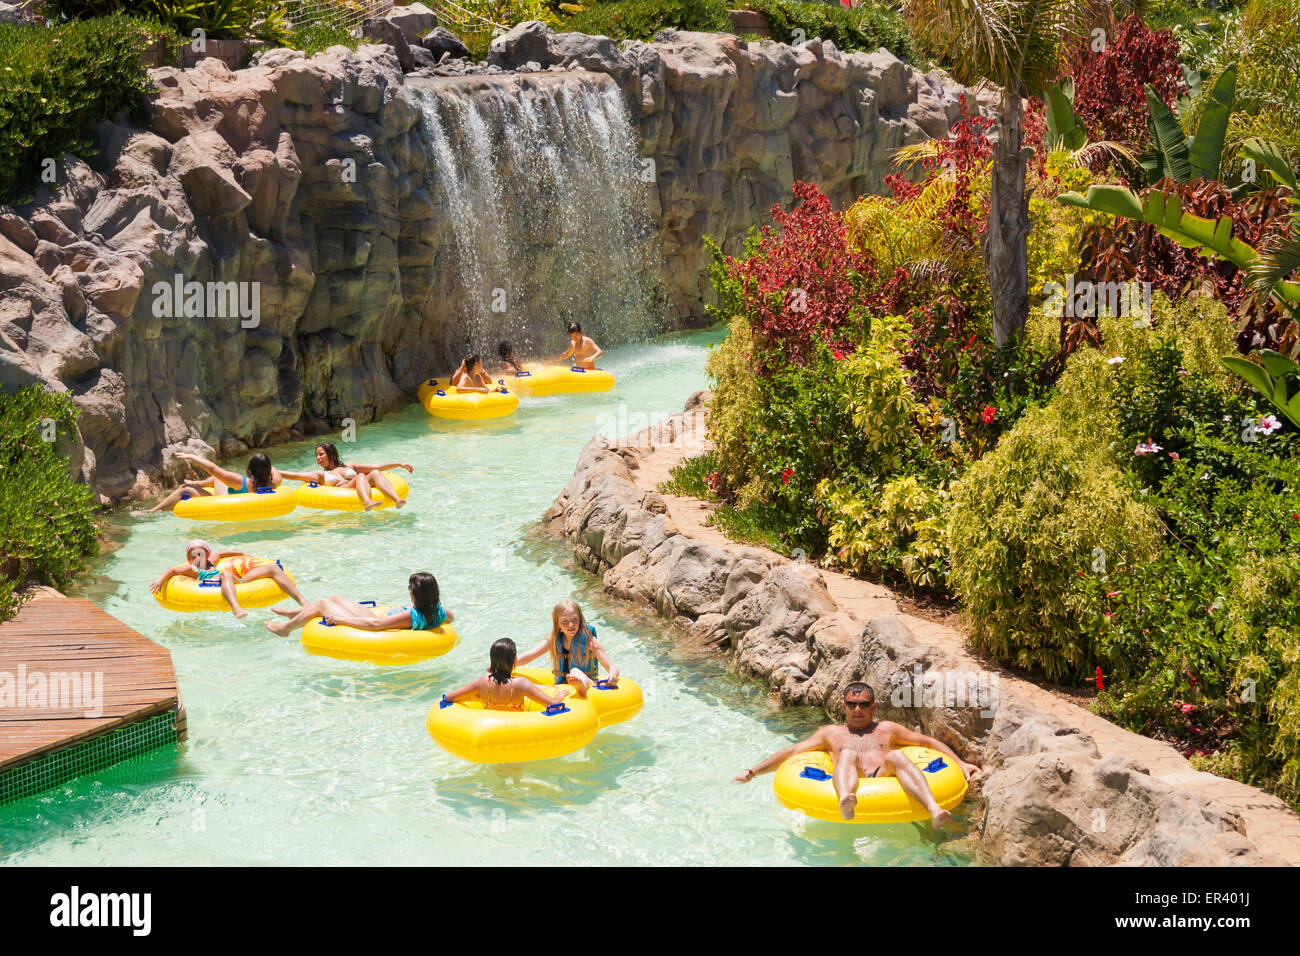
56, 634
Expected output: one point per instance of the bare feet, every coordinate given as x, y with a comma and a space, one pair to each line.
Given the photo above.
849, 806
239, 612
371, 505
401, 502
279, 628
283, 613
941, 819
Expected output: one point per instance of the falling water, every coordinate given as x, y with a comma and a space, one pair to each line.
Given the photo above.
536, 178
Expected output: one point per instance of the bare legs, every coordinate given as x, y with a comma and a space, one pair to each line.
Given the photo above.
579, 681
277, 574
331, 606
380, 481
272, 571
848, 771
913, 782
188, 489
845, 780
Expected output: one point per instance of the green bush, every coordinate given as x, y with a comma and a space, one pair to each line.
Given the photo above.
1028, 523
1200, 645
57, 83
642, 19
897, 530
46, 526
219, 19
868, 27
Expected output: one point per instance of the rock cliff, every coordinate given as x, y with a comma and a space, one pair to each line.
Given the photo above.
271, 253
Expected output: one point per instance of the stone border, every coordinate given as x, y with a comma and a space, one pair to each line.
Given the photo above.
1061, 786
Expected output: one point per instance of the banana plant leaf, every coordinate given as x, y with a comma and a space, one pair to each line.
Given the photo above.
1169, 138
1063, 128
1207, 147
1164, 211
1272, 380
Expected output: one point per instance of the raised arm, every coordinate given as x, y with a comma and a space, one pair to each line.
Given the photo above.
816, 742
317, 476
595, 355
225, 475
532, 655
369, 468
900, 736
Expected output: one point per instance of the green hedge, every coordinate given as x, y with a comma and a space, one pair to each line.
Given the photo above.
862, 28
219, 19
47, 528
642, 19
57, 83
867, 27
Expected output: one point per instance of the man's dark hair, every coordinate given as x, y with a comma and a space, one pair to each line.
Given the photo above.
574, 327
857, 687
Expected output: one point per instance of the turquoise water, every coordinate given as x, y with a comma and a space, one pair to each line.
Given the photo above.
295, 759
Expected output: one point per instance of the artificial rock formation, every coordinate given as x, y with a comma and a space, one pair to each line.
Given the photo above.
310, 178
1049, 795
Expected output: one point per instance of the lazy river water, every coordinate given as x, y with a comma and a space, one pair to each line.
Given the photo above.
295, 759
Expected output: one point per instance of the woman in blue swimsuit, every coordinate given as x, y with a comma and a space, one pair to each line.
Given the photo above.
424, 613
259, 474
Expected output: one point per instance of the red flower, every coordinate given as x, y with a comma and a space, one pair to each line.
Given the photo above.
1188, 708
786, 476
839, 356
989, 412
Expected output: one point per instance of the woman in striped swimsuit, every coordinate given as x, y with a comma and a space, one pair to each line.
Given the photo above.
203, 565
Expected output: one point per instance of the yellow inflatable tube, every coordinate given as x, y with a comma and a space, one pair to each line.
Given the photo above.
247, 506
804, 783
441, 400
333, 498
612, 705
469, 730
377, 647
187, 594
540, 380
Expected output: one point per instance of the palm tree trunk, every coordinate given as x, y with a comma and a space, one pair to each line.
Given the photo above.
1006, 257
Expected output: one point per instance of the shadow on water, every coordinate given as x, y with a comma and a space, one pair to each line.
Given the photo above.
573, 780
368, 682
845, 844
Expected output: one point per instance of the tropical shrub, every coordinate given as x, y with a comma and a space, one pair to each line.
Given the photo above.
1028, 523
1266, 47
889, 528
47, 531
58, 82
801, 284
1110, 83
642, 19
868, 26
219, 19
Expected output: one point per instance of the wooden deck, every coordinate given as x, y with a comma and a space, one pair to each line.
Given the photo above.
54, 634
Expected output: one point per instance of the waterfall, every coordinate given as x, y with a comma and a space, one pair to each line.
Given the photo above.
542, 214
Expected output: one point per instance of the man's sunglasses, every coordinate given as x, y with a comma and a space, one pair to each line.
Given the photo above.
860, 703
